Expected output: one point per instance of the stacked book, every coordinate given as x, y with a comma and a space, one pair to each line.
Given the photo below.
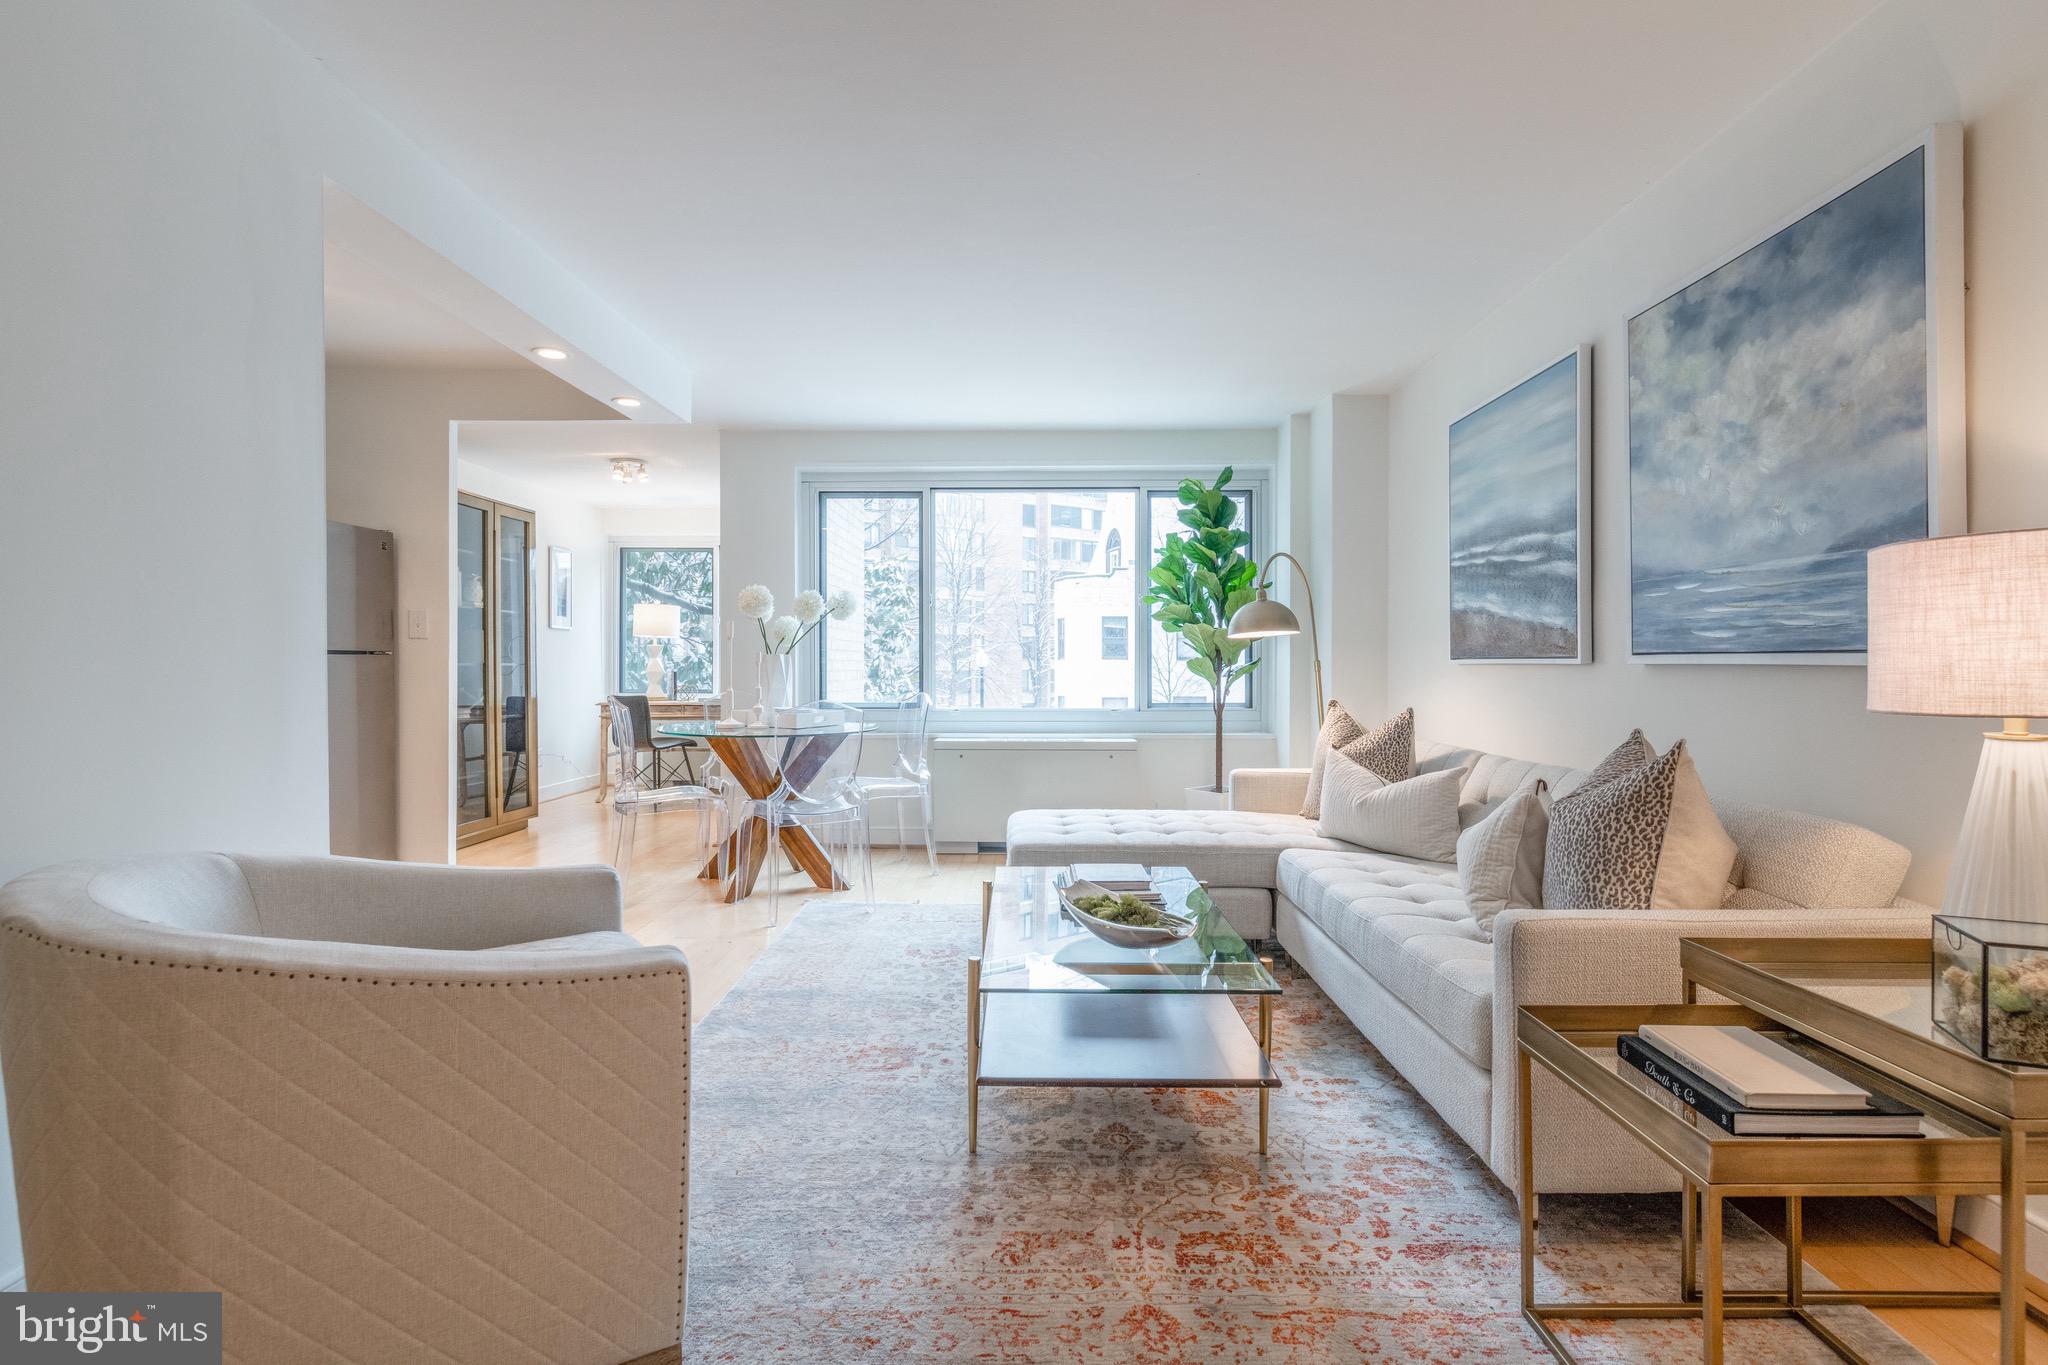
1134, 878
1752, 1086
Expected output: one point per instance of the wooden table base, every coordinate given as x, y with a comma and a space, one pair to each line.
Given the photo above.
760, 779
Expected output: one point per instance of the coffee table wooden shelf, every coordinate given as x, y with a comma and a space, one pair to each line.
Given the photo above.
1049, 1004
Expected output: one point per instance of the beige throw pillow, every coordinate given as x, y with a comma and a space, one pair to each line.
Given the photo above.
1387, 750
1414, 818
1642, 838
1500, 859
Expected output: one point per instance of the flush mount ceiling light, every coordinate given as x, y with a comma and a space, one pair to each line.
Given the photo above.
551, 353
627, 402
629, 471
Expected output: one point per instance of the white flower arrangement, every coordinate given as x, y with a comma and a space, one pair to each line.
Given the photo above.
808, 610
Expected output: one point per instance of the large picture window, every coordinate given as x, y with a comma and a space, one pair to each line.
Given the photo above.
1005, 599
680, 576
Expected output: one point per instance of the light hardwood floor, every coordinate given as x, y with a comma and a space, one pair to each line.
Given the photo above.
1852, 1242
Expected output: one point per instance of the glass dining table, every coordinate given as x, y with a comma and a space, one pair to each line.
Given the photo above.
770, 760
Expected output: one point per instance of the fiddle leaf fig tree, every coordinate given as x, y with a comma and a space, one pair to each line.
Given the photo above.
1200, 577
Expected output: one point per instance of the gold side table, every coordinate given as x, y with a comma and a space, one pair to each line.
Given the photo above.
1962, 1154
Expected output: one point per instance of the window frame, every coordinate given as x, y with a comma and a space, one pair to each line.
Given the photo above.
1144, 716
614, 548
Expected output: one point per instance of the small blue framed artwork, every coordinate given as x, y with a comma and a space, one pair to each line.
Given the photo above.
1521, 531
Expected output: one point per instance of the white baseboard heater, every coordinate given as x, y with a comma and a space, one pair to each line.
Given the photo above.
978, 780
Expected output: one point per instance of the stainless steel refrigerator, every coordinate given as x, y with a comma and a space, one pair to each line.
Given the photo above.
362, 692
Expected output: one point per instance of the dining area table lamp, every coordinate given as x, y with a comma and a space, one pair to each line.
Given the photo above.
1959, 627
1262, 618
655, 622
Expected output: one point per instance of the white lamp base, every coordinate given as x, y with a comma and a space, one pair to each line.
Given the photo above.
2001, 866
654, 669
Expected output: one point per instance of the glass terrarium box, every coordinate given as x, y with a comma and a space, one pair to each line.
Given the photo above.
1991, 987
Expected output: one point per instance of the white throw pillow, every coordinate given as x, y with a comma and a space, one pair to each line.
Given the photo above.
1388, 749
1500, 859
1415, 818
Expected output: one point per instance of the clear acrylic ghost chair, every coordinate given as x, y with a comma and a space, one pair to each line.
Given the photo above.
632, 794
909, 780
817, 796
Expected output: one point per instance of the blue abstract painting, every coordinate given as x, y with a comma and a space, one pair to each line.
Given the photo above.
1778, 430
1516, 471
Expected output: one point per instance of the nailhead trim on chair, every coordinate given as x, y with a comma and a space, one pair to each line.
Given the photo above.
668, 1355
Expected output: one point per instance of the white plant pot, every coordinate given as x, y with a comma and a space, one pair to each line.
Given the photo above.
1202, 798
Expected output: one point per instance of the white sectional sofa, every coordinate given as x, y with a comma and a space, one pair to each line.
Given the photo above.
1392, 942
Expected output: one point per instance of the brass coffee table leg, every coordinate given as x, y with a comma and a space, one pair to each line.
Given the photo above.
1265, 1046
973, 1050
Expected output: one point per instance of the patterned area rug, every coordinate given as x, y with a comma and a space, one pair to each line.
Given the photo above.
836, 1215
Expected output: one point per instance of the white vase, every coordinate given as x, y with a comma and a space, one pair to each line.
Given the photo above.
777, 680
1208, 798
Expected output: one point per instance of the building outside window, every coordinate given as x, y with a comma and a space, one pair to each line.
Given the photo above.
1116, 637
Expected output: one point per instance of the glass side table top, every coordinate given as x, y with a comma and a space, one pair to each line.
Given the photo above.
763, 729
1033, 944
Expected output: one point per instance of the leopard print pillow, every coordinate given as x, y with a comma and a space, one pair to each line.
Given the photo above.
1638, 838
1387, 751
1606, 837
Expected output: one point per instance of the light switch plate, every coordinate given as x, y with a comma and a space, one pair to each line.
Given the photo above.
416, 625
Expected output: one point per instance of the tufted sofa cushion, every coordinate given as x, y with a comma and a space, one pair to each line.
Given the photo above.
1226, 848
1404, 921
1491, 778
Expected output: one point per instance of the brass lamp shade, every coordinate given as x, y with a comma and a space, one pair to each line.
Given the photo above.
1262, 617
1959, 625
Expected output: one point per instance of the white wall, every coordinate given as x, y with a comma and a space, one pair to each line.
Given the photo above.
1793, 736
391, 464
570, 666
1347, 538
759, 474
161, 425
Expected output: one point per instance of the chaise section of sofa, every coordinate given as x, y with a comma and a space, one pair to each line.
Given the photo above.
1236, 852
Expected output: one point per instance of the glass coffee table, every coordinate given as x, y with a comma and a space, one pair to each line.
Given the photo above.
1050, 1004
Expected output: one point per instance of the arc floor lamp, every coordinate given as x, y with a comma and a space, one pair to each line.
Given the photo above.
1262, 617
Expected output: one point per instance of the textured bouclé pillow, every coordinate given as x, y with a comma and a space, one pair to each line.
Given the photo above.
1637, 838
1416, 817
1387, 750
1500, 859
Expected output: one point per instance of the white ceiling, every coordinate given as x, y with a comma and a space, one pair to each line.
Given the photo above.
573, 460
927, 212
374, 320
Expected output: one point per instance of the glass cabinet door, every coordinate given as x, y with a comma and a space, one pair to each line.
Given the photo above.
515, 659
472, 700
495, 729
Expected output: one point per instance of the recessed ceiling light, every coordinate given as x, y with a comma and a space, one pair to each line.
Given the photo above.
627, 402
551, 353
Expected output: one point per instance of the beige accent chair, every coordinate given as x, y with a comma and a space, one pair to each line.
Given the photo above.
393, 1113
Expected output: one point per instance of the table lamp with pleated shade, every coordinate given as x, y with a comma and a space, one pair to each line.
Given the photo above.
1959, 627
